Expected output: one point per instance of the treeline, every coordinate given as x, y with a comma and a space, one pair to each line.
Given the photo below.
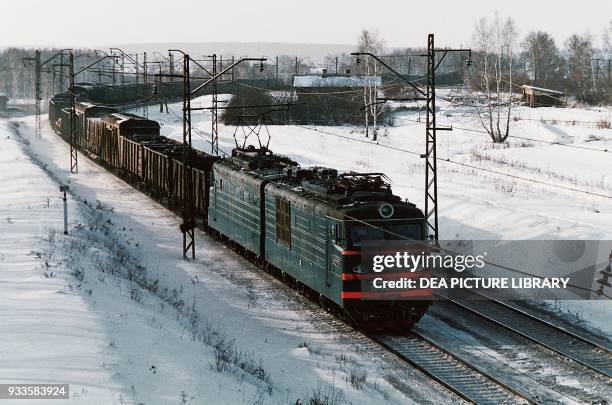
578, 68
17, 72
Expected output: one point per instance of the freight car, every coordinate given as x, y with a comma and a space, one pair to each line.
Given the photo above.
306, 224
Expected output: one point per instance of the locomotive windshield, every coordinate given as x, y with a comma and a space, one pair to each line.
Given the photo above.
378, 231
359, 233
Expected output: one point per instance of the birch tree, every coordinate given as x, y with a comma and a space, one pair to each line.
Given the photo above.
494, 48
579, 49
372, 42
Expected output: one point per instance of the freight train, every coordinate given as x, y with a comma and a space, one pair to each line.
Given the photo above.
305, 224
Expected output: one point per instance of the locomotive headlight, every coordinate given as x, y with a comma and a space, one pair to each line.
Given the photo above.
386, 210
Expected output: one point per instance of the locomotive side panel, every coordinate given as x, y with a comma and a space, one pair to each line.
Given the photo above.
298, 240
235, 206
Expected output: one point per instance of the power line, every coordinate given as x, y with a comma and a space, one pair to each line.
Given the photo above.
518, 137
535, 181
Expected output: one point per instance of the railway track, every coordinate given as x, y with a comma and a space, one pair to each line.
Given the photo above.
464, 379
578, 349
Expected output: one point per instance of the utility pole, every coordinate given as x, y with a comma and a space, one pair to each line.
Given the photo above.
37, 89
276, 71
145, 108
601, 72
431, 167
188, 225
61, 76
430, 155
37, 94
137, 66
74, 167
214, 112
122, 69
38, 68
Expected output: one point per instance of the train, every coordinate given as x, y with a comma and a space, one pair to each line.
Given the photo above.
305, 224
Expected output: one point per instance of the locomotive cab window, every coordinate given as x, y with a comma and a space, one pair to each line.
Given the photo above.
405, 231
283, 221
361, 233
398, 231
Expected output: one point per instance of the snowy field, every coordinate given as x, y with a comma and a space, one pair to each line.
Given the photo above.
473, 204
113, 309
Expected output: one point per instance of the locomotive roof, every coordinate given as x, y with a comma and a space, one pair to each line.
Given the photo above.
315, 183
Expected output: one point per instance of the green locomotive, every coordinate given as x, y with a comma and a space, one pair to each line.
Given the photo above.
310, 223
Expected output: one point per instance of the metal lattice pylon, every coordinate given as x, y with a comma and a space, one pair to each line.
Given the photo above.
431, 177
188, 225
74, 166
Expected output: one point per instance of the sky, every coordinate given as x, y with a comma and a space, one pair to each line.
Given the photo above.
83, 23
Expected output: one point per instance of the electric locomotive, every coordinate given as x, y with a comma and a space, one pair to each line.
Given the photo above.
311, 223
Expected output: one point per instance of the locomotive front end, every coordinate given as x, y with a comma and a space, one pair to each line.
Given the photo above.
377, 224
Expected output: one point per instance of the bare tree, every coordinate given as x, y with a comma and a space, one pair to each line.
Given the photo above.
542, 57
606, 39
494, 46
371, 41
579, 49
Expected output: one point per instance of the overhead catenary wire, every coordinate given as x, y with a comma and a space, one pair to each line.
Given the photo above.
198, 132
448, 100
448, 160
516, 137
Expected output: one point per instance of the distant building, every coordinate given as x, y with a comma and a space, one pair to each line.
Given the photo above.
540, 97
3, 101
336, 81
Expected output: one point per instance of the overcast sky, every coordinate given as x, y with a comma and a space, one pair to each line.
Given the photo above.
401, 22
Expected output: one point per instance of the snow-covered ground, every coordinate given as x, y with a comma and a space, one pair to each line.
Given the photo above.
473, 204
113, 310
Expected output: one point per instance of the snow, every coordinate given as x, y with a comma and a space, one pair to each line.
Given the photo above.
114, 310
335, 81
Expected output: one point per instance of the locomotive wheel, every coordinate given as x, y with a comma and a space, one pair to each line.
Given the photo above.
301, 287
324, 302
345, 317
